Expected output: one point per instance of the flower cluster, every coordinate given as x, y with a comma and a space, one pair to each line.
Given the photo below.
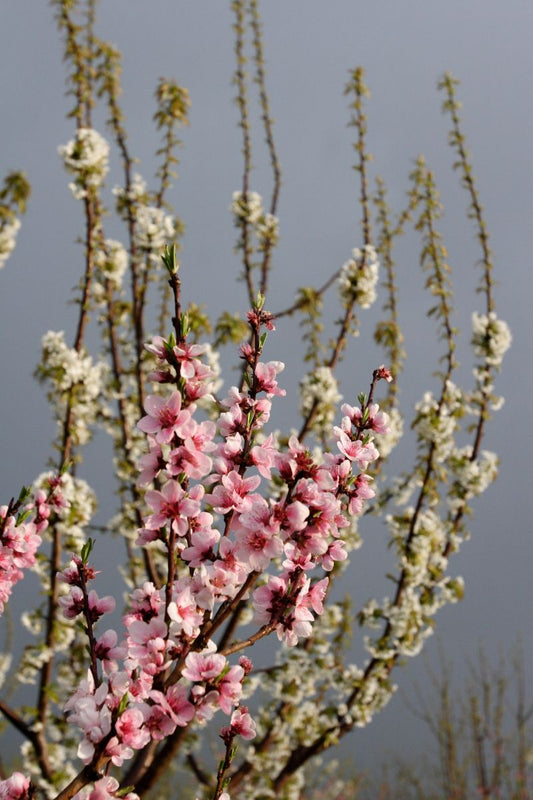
86, 157
206, 515
73, 378
491, 338
21, 526
359, 276
319, 391
112, 261
153, 228
9, 227
437, 420
247, 208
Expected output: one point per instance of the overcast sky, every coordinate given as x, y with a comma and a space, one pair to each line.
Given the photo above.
310, 45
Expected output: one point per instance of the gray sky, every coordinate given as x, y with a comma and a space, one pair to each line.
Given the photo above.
309, 45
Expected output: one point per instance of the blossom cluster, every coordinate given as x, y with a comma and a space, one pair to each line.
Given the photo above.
20, 534
319, 391
359, 276
491, 338
75, 379
112, 261
247, 208
225, 540
9, 227
153, 227
86, 157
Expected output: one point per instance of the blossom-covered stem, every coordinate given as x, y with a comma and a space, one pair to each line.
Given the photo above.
255, 23
239, 80
340, 344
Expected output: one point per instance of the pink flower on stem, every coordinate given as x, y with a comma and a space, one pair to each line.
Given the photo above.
165, 418
171, 505
147, 645
17, 787
257, 535
233, 492
263, 456
200, 667
187, 356
151, 463
375, 420
241, 724
107, 651
129, 728
355, 450
172, 708
184, 613
265, 376
230, 688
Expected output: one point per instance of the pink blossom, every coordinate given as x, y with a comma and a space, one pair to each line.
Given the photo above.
242, 723
17, 787
265, 376
129, 728
118, 752
184, 613
257, 539
356, 451
263, 456
165, 418
230, 688
187, 356
191, 457
202, 546
147, 645
106, 789
233, 492
174, 704
171, 505
203, 666
383, 373
151, 463
106, 648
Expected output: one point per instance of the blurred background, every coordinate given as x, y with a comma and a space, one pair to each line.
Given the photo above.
309, 48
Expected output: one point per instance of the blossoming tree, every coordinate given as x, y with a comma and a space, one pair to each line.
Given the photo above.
233, 531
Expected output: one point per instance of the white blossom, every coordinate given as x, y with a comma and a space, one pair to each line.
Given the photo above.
491, 338
153, 230
8, 236
86, 157
247, 207
359, 276
386, 442
112, 260
73, 377
320, 387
